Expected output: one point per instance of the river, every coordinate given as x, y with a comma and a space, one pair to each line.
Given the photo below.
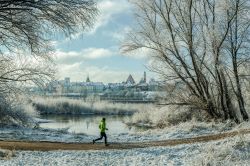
88, 124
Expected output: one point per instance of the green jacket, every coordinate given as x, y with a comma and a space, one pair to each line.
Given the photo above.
102, 126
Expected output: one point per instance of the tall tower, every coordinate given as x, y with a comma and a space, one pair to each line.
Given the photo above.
145, 77
88, 80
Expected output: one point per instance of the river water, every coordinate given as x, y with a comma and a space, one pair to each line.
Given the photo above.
88, 124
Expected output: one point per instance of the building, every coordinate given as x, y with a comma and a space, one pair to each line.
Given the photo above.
130, 80
128, 90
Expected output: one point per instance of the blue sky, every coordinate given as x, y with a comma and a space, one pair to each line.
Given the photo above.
96, 52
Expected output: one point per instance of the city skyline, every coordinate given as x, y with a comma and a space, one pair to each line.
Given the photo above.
143, 78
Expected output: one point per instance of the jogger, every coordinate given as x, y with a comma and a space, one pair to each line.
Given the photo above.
102, 127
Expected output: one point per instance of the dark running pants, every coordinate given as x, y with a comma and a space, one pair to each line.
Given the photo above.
103, 134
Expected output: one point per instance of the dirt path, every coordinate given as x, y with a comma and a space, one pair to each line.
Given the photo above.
47, 146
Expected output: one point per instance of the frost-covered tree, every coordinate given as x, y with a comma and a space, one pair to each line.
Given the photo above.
200, 45
26, 51
26, 30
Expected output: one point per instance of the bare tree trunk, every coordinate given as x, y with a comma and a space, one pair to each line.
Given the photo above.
228, 103
222, 96
239, 96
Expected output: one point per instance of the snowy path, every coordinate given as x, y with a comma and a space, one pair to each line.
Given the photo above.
48, 146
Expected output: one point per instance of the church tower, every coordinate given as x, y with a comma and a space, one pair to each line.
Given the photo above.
144, 78
88, 80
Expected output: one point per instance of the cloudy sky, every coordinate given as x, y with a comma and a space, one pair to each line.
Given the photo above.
96, 52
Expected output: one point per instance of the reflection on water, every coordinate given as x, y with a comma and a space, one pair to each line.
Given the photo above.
87, 124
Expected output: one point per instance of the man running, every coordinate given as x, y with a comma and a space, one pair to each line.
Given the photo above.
102, 127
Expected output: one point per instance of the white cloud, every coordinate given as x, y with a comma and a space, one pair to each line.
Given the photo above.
93, 53
75, 65
72, 57
108, 9
118, 35
142, 53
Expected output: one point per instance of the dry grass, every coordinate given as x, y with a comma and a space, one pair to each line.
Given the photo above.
166, 116
73, 106
233, 151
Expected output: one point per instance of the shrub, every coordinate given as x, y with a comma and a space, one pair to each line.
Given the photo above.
167, 116
14, 113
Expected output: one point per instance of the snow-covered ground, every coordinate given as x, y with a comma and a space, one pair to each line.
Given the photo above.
231, 151
183, 130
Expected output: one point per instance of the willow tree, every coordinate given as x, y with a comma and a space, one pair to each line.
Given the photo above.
190, 40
